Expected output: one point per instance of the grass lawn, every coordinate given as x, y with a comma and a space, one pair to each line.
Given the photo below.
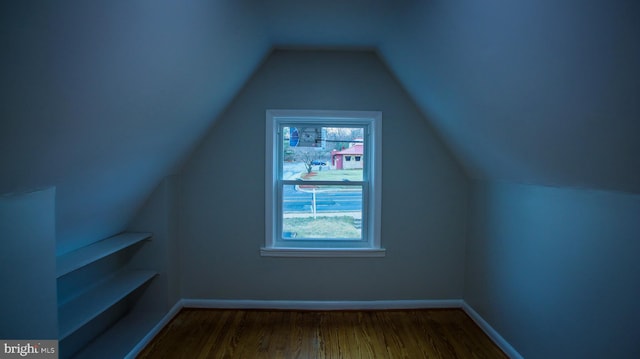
322, 227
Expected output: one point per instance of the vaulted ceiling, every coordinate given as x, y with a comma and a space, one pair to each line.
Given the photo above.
104, 98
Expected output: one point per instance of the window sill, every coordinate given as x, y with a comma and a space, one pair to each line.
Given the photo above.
323, 252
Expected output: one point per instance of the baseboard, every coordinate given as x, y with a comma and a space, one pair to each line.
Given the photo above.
155, 330
327, 305
322, 305
492, 333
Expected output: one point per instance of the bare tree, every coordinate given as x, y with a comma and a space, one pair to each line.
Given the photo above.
308, 155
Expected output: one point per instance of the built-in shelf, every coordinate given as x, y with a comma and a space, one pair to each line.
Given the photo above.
120, 339
81, 310
77, 259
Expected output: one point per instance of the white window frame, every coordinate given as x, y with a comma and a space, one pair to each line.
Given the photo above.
370, 245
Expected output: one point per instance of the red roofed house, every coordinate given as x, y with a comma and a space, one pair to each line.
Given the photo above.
349, 158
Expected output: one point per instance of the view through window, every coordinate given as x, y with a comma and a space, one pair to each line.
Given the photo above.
322, 187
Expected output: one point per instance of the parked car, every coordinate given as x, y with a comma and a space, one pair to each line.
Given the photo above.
318, 163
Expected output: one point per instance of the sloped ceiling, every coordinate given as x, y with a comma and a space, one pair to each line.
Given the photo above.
104, 98
541, 91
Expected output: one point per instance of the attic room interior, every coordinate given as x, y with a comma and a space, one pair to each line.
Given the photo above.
135, 165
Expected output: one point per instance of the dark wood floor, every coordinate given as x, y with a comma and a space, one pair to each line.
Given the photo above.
433, 333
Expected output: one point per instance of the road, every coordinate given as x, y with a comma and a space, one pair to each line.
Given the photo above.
300, 201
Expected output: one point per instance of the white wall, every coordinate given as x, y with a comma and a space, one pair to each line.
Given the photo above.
222, 193
159, 215
28, 305
556, 271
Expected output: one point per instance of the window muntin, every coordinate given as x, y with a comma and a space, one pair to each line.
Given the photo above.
316, 199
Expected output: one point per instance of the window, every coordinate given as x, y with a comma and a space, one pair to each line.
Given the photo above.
318, 203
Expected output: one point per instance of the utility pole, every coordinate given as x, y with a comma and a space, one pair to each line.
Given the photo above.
313, 202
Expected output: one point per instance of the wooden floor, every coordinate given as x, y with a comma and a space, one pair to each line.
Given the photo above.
433, 333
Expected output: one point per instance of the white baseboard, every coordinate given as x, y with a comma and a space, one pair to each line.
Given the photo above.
322, 305
327, 305
155, 330
492, 333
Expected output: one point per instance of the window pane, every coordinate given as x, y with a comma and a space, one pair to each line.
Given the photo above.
330, 212
322, 153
